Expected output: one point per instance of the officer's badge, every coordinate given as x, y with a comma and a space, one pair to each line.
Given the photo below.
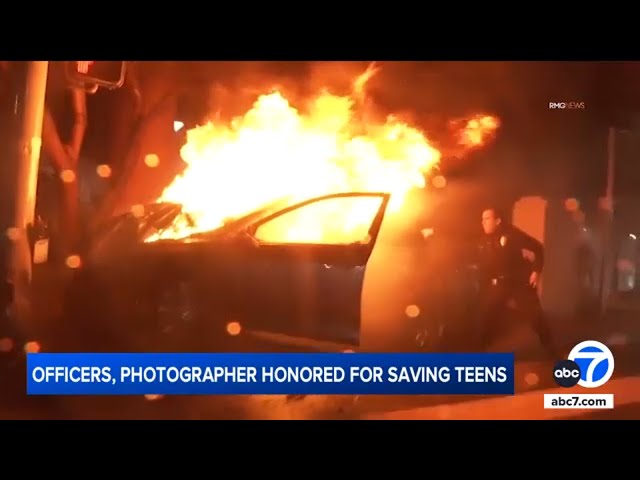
503, 241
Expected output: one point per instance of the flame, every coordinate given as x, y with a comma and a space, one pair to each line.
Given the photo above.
476, 131
277, 151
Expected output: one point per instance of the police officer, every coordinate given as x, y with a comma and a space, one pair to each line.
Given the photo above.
510, 266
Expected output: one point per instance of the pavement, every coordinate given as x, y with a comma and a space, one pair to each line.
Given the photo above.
533, 379
528, 405
625, 412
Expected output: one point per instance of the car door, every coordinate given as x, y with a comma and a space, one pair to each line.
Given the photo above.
447, 293
304, 274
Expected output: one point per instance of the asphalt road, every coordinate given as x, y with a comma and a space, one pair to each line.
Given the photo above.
533, 378
624, 412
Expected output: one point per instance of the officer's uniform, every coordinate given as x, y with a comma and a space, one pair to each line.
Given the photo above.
504, 277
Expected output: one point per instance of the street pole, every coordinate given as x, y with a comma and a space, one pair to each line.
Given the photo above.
25, 173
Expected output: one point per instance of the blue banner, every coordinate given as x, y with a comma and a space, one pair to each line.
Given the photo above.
266, 373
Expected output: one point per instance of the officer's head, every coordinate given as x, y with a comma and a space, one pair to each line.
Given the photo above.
491, 220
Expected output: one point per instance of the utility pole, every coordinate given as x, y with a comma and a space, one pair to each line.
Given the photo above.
19, 171
24, 173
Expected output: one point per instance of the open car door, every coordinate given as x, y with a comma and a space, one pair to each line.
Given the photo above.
304, 275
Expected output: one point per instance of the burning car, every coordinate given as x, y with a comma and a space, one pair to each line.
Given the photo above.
283, 270
220, 245
255, 271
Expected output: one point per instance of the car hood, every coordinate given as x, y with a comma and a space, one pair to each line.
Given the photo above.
126, 231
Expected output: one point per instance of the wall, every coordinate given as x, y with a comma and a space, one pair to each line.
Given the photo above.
551, 223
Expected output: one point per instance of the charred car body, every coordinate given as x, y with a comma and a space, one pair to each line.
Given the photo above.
183, 294
227, 275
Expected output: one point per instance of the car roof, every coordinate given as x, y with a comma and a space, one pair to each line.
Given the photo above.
159, 216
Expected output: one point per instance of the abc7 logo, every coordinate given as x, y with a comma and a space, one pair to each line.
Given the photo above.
590, 364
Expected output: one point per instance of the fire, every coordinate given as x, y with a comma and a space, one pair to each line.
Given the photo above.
475, 131
277, 151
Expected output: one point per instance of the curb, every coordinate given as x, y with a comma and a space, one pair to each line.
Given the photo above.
525, 406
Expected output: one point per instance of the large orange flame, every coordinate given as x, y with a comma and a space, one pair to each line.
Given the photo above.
276, 151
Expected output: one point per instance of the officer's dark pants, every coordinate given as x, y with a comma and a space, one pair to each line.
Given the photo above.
494, 305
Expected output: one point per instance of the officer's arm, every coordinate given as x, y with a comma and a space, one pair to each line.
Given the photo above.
533, 245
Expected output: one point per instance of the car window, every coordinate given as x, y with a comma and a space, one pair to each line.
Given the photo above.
329, 221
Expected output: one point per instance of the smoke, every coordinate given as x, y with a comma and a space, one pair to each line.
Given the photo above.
337, 77
536, 146
237, 85
408, 90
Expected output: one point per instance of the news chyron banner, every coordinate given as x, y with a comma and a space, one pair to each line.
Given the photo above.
590, 364
262, 373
